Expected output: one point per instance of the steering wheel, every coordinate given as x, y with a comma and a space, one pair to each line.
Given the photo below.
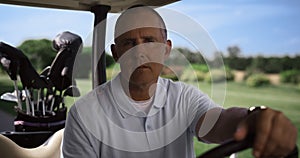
233, 146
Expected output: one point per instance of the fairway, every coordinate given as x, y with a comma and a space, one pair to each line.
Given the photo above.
285, 98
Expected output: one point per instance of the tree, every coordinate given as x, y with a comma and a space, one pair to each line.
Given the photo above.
83, 70
234, 51
192, 57
39, 52
273, 65
258, 64
234, 59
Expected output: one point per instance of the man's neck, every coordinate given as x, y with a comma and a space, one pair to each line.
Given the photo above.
138, 92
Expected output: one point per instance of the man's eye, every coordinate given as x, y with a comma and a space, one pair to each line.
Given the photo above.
128, 43
149, 40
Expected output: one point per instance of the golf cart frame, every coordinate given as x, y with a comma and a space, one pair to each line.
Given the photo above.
100, 9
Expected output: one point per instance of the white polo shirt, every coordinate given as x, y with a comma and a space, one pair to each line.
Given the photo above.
104, 124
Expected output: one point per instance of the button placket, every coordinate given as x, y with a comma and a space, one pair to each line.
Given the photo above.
148, 125
152, 140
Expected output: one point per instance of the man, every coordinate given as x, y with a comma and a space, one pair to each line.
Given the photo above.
139, 114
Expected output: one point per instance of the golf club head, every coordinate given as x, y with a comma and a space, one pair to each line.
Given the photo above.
68, 45
5, 62
44, 75
12, 96
29, 77
9, 97
9, 53
45, 71
72, 91
67, 40
21, 64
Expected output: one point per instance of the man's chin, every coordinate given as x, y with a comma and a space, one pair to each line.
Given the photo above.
142, 78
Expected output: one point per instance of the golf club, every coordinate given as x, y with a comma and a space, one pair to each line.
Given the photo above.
68, 45
11, 65
72, 91
27, 101
9, 97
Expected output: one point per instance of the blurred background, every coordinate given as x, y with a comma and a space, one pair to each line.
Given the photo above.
259, 42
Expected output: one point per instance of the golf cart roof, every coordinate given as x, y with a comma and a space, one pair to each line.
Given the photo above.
85, 5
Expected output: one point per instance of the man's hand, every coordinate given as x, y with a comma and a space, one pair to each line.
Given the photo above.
275, 135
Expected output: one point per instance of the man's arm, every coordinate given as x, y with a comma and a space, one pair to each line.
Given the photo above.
225, 126
76, 141
275, 135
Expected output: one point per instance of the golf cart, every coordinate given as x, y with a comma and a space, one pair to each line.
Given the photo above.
100, 10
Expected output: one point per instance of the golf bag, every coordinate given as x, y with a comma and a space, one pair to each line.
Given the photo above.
28, 123
47, 114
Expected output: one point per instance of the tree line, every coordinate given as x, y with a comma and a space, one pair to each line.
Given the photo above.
41, 54
255, 67
236, 61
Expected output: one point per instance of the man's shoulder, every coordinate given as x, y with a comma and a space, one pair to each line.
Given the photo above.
166, 82
92, 96
176, 84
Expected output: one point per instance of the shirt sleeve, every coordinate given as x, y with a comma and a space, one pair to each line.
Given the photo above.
77, 140
198, 104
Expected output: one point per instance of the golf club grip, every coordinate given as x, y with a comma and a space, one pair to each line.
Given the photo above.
233, 146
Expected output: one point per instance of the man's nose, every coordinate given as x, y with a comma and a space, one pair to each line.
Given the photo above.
140, 50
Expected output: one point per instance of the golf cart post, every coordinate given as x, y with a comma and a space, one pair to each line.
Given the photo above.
100, 9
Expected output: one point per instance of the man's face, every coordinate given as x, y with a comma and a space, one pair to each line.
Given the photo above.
141, 53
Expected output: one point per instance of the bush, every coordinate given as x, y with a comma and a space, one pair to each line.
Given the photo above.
200, 75
229, 74
250, 72
217, 74
257, 80
190, 75
290, 76
200, 67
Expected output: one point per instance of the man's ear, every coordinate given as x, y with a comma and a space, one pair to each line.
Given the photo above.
168, 49
114, 52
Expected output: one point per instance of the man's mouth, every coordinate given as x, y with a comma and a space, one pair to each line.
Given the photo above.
143, 67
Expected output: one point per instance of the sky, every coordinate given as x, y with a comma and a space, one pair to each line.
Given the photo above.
257, 27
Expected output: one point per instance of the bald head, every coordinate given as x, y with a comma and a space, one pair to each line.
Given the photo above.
139, 17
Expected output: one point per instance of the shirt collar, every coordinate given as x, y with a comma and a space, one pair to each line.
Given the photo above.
160, 94
123, 103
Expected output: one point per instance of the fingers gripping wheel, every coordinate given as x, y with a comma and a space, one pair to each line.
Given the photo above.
68, 45
233, 146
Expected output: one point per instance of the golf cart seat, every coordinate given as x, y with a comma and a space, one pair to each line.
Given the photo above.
50, 149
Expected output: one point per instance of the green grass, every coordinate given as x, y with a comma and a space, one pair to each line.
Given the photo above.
284, 97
